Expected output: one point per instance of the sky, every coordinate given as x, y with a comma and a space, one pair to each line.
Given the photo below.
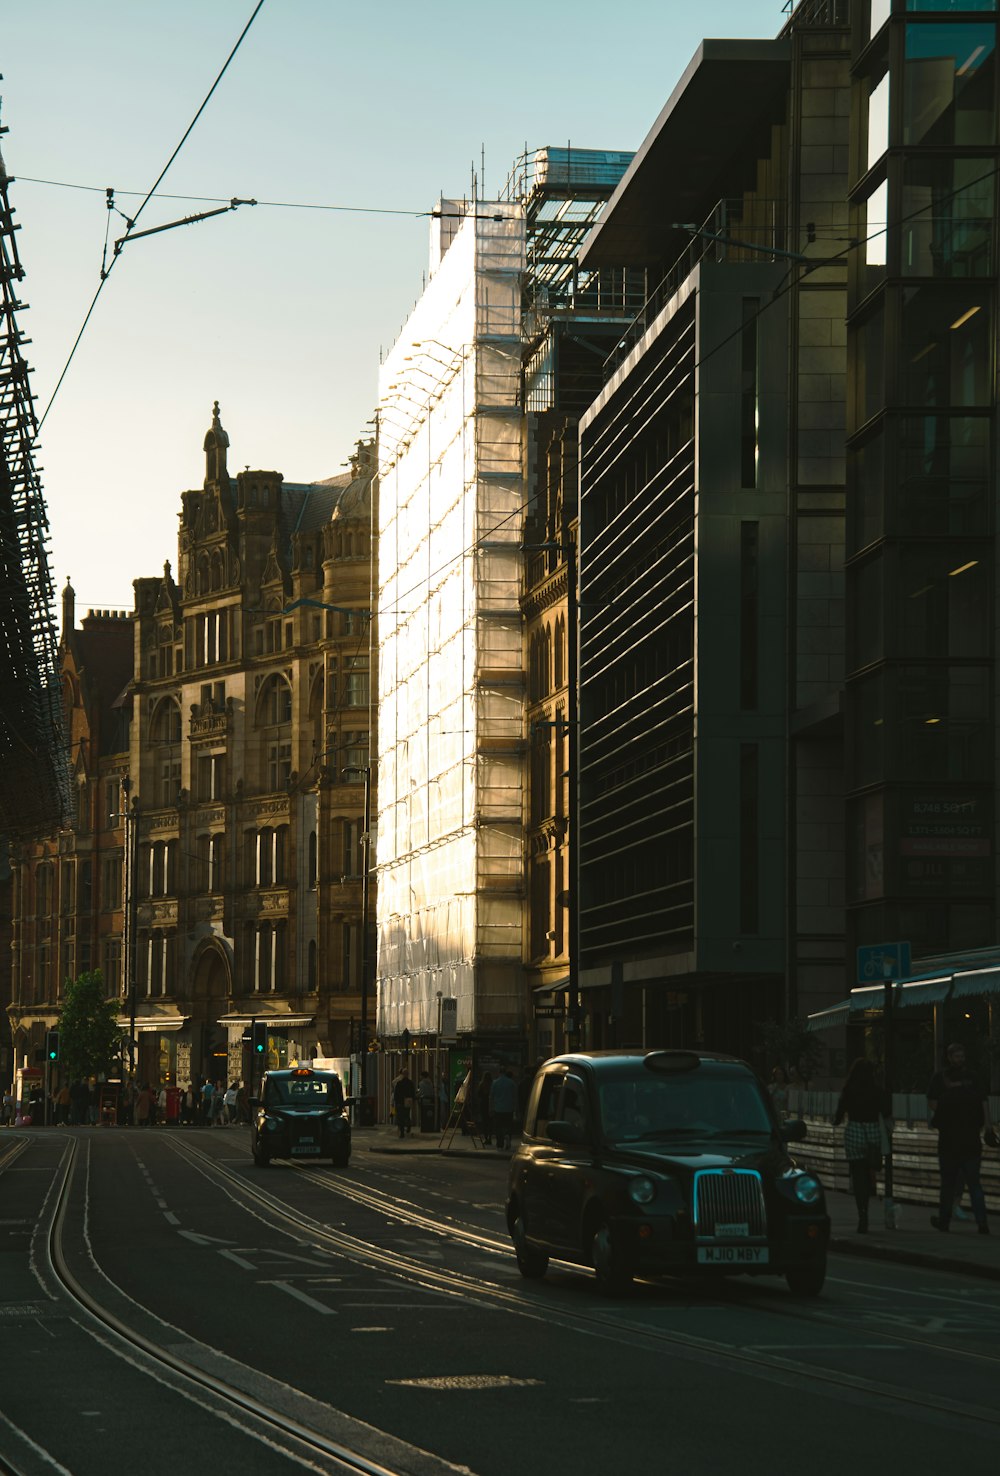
279, 312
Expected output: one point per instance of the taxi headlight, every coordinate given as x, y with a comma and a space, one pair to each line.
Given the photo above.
272, 1124
642, 1190
807, 1189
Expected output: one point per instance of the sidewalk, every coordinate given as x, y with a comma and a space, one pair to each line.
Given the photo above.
914, 1242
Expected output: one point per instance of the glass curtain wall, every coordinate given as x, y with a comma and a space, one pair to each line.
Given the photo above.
921, 469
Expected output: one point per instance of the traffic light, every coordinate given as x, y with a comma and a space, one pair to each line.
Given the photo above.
52, 1045
259, 1038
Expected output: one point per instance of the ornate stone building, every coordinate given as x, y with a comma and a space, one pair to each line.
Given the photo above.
240, 826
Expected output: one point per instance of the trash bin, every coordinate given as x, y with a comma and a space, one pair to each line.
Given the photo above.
426, 1105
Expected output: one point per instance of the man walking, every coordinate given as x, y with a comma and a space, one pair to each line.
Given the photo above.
503, 1100
960, 1113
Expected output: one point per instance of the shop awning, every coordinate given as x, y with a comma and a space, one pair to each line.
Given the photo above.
870, 998
977, 981
558, 986
145, 1023
271, 1021
830, 1018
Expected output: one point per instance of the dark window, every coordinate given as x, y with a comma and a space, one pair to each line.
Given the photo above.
948, 89
947, 217
749, 839
749, 640
946, 347
749, 403
944, 474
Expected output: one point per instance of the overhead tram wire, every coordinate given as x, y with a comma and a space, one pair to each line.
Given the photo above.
149, 195
61, 184
808, 264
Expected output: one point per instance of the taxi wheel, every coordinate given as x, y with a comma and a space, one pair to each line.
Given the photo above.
612, 1271
340, 1160
531, 1262
807, 1282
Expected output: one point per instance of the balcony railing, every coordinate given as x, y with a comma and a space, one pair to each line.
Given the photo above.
734, 231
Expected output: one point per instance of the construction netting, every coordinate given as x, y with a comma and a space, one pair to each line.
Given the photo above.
451, 702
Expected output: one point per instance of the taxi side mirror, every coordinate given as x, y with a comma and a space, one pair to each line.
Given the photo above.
793, 1132
566, 1132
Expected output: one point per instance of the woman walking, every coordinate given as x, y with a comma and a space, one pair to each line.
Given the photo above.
865, 1105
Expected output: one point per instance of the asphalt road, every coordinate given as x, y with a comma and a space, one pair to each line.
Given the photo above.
381, 1307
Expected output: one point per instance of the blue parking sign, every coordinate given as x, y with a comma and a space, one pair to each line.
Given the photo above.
874, 957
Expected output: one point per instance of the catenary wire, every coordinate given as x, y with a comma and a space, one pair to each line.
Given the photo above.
786, 286
184, 138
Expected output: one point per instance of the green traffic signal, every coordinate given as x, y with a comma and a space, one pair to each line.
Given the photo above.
52, 1045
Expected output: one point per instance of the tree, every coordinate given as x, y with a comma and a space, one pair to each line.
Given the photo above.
89, 1036
789, 1044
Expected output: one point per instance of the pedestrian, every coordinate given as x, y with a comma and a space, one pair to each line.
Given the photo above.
865, 1105
778, 1088
8, 1109
189, 1106
242, 1104
230, 1103
483, 1107
66, 1109
143, 1105
959, 1111
402, 1100
93, 1102
503, 1100
207, 1093
444, 1102
129, 1096
425, 1102
219, 1105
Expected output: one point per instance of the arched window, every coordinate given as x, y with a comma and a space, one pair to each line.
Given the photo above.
165, 723
274, 706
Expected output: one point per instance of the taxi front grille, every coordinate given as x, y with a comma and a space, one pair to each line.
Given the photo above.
727, 1198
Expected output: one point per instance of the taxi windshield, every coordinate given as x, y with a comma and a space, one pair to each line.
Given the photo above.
685, 1104
303, 1091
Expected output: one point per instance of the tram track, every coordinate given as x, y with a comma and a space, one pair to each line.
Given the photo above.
292, 1439
611, 1326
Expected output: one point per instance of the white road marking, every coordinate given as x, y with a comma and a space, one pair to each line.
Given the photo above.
203, 1239
237, 1260
300, 1296
170, 1218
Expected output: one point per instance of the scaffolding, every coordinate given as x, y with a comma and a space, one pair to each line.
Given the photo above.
34, 773
451, 701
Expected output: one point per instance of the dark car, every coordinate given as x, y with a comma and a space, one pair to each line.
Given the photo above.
300, 1113
662, 1162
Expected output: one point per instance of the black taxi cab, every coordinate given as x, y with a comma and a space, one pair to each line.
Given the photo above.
662, 1162
300, 1113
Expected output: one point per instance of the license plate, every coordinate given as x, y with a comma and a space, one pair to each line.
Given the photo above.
299, 1149
732, 1255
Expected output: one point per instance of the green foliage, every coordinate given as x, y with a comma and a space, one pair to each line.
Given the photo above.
789, 1044
89, 1036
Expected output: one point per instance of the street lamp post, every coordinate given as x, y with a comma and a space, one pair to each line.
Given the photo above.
887, 1042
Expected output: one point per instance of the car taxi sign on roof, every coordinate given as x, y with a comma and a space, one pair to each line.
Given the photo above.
671, 1061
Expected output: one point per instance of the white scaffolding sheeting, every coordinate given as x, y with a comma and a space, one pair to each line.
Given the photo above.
450, 685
